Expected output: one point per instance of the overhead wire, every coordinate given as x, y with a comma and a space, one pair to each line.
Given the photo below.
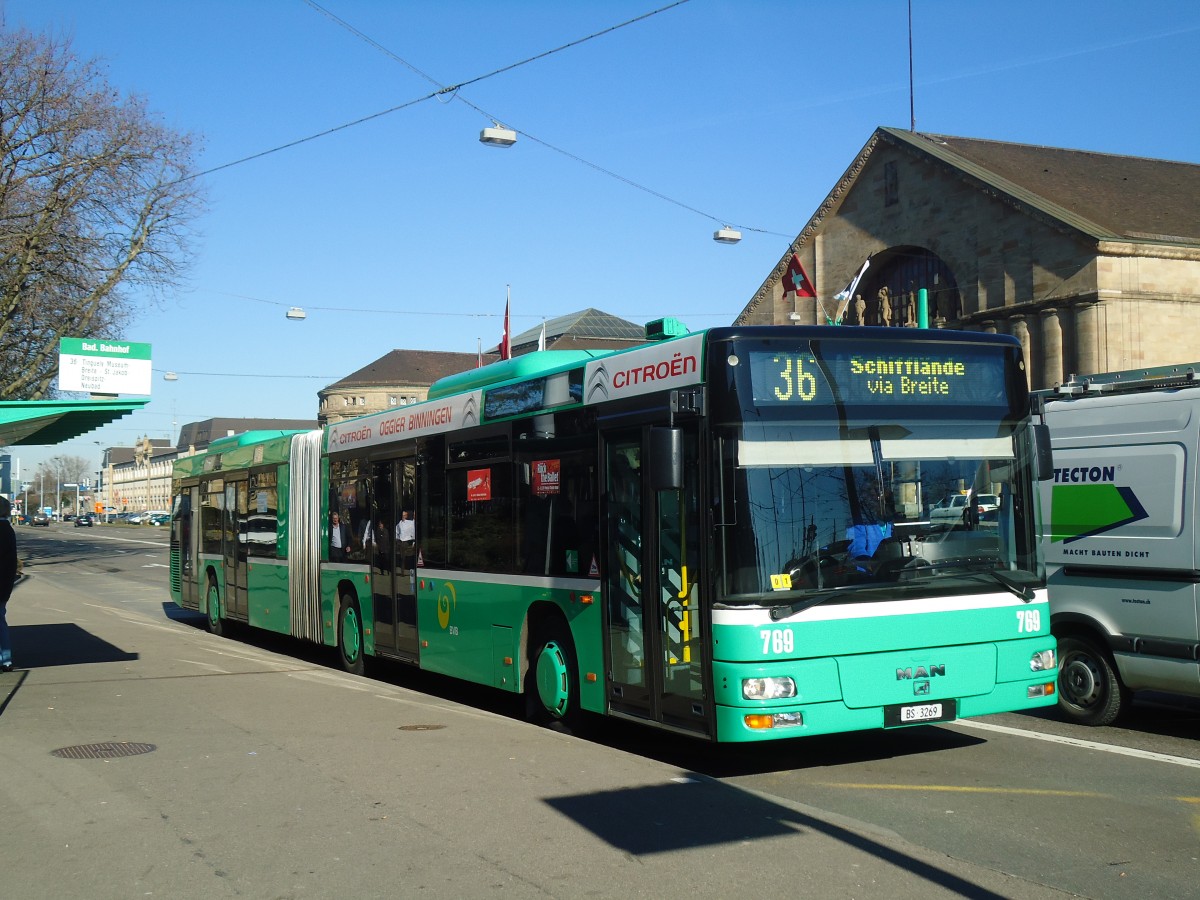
453, 92
415, 312
442, 89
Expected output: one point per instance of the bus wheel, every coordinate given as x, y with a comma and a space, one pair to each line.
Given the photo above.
213, 618
350, 637
1089, 690
552, 683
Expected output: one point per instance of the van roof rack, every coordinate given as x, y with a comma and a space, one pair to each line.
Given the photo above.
1159, 378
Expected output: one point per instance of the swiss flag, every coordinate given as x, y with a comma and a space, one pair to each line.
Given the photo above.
796, 280
505, 341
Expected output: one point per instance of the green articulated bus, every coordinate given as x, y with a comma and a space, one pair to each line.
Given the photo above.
742, 534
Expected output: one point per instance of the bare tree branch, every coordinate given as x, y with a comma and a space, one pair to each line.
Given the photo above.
97, 199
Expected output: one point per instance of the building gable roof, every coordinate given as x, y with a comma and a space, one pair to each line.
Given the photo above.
1104, 196
201, 434
591, 324
416, 367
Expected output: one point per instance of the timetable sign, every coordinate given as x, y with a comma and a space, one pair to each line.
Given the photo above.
97, 366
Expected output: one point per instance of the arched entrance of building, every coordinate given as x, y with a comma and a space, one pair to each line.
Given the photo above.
887, 294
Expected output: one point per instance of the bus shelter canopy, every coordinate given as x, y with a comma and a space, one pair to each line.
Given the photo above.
40, 422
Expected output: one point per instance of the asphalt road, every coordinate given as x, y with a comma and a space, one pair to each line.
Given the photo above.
273, 774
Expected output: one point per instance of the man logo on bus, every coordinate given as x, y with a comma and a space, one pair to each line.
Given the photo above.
446, 602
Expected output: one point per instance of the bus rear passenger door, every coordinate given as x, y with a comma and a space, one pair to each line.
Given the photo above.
184, 546
393, 589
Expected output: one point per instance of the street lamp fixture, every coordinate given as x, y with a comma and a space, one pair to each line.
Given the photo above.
727, 235
498, 136
296, 313
170, 376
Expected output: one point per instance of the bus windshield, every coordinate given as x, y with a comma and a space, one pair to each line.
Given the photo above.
858, 507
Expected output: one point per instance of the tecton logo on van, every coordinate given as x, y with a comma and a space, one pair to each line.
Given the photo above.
1085, 502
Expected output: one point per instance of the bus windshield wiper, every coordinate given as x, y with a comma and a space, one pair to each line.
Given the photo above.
1024, 591
985, 566
799, 606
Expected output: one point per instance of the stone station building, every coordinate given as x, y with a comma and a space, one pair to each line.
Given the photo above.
1091, 260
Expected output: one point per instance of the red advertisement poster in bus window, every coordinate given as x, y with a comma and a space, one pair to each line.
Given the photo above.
545, 477
479, 484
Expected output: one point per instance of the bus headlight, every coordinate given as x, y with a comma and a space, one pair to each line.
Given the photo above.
1043, 661
777, 688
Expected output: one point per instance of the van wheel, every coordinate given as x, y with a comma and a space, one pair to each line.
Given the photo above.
552, 682
1089, 690
213, 618
350, 637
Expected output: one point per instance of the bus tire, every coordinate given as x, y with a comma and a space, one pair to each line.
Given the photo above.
552, 682
212, 617
350, 637
1089, 690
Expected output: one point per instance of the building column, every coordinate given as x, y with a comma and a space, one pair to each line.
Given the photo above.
1020, 330
1087, 339
989, 326
1052, 349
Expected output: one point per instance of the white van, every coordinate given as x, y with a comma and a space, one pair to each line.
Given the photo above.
1120, 539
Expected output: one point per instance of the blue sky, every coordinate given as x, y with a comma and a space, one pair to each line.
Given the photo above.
405, 232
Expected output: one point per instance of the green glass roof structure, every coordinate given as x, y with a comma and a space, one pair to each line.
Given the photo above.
30, 423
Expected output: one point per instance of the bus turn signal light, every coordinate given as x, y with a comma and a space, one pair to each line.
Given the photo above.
760, 721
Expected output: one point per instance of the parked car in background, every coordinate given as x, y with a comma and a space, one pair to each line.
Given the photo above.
40, 519
951, 509
83, 520
159, 518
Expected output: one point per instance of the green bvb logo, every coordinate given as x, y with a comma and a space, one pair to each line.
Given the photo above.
446, 602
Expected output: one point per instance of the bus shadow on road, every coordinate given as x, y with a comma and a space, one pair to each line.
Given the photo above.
647, 820
758, 758
178, 614
63, 644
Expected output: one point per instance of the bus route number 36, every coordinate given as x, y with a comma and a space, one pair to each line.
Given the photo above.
777, 640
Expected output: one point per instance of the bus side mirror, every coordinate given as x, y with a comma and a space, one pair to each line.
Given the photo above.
666, 459
1044, 458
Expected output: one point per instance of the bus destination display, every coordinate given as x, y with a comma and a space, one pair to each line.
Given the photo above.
958, 376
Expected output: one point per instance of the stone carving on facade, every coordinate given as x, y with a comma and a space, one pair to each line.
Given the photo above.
885, 307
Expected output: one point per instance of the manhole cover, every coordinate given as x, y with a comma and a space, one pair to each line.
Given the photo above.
421, 727
106, 750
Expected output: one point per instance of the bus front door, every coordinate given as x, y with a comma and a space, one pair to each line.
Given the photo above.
656, 663
234, 548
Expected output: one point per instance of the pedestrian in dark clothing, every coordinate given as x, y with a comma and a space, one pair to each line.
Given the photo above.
8, 574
